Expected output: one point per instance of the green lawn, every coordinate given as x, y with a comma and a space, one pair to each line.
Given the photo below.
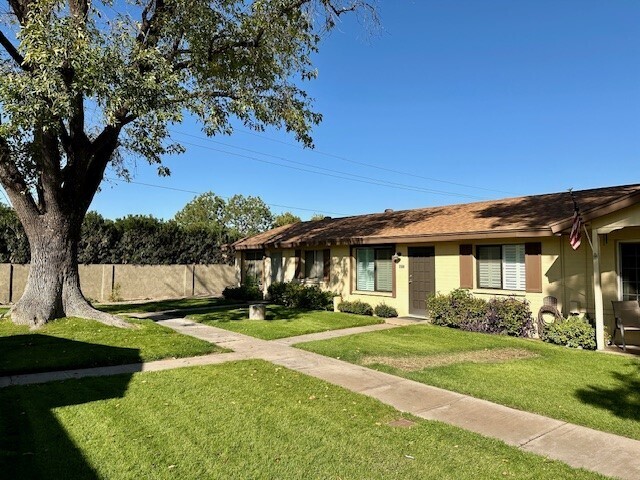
161, 305
75, 343
281, 321
242, 420
597, 390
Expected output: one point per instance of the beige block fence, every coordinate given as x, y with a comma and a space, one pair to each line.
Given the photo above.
105, 283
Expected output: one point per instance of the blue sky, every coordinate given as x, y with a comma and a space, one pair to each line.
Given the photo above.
450, 101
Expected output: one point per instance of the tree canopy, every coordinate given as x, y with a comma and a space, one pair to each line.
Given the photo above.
285, 218
85, 84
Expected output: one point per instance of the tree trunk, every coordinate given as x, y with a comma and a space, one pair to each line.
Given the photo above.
53, 285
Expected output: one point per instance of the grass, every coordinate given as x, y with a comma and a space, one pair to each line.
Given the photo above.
161, 305
76, 343
241, 420
281, 321
593, 389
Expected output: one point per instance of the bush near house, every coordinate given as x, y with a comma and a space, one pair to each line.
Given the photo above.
244, 293
357, 307
456, 309
385, 311
573, 332
297, 295
460, 309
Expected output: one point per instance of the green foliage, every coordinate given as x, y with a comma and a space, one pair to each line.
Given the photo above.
98, 240
385, 311
509, 316
573, 332
245, 216
297, 295
357, 307
455, 309
316, 217
206, 212
243, 293
285, 218
228, 221
460, 309
135, 239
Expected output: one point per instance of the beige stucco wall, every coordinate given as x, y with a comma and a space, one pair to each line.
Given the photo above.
131, 282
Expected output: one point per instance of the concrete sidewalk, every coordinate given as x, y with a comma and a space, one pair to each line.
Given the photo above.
577, 446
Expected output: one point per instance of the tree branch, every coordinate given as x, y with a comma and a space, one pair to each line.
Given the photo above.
14, 183
13, 52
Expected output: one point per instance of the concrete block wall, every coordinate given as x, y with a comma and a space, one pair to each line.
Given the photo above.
131, 282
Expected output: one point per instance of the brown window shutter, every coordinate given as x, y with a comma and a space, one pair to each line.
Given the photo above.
466, 266
533, 266
326, 264
299, 269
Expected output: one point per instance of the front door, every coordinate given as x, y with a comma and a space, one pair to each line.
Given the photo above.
422, 278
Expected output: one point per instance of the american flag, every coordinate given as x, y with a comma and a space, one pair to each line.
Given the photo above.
576, 234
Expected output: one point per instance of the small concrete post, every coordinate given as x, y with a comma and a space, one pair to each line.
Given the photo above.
257, 312
336, 301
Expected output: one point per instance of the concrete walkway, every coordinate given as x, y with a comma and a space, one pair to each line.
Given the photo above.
577, 446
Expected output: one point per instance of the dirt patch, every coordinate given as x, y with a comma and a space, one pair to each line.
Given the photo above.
402, 423
411, 364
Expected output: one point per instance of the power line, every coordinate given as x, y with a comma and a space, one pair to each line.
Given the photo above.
325, 171
164, 187
370, 165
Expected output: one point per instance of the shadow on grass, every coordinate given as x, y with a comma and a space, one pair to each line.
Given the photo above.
33, 444
160, 305
623, 400
33, 352
273, 312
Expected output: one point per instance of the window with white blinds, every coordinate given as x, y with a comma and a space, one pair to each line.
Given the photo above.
490, 266
501, 266
513, 275
374, 269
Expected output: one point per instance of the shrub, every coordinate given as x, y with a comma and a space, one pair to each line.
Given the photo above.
357, 307
509, 316
573, 332
296, 295
244, 293
456, 309
460, 309
276, 292
385, 311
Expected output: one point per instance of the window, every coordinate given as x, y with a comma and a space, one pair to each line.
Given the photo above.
374, 269
252, 271
277, 272
501, 266
313, 265
630, 270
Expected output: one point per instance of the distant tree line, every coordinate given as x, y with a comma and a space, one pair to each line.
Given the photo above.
199, 233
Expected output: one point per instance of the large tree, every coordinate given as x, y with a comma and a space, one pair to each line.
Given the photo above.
87, 84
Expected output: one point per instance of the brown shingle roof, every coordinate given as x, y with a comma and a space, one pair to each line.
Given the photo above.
536, 215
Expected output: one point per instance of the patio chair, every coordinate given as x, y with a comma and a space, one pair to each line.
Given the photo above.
549, 306
627, 315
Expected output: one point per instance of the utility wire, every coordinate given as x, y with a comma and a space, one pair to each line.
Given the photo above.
164, 187
370, 165
324, 171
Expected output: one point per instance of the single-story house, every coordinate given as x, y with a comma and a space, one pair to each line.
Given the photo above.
514, 246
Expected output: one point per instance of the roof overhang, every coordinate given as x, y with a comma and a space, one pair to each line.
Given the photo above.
425, 238
588, 215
